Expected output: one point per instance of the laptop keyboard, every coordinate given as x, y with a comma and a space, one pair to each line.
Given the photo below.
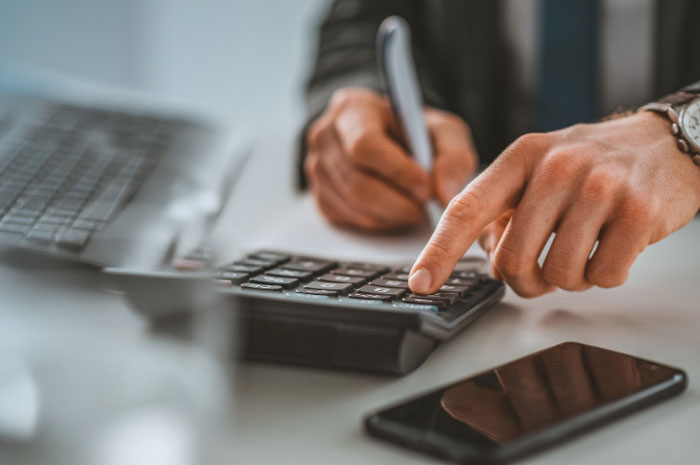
65, 177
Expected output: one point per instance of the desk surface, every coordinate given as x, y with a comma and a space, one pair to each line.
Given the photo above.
297, 415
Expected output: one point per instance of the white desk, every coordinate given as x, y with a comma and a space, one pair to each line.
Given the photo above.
288, 414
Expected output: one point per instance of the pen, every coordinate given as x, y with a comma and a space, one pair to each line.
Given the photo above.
399, 78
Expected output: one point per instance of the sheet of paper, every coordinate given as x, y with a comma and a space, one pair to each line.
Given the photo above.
302, 230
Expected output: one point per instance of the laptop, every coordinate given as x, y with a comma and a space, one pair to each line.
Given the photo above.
112, 185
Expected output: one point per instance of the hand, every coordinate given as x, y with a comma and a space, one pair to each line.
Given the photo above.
361, 175
621, 183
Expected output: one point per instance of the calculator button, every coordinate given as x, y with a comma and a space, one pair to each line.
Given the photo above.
270, 256
289, 273
369, 274
465, 274
390, 283
449, 297
396, 293
362, 295
261, 287
309, 264
463, 281
425, 301
452, 288
321, 286
266, 264
339, 278
286, 283
242, 268
234, 277
416, 307
396, 275
367, 266
317, 291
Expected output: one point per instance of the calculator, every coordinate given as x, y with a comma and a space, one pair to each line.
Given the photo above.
335, 314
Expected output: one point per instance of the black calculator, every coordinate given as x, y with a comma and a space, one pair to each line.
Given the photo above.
345, 315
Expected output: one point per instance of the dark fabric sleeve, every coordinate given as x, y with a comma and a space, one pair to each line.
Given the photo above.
346, 56
694, 87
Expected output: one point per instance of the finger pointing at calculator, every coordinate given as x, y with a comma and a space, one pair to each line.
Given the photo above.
607, 190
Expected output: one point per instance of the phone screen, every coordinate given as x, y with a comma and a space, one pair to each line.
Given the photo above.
527, 395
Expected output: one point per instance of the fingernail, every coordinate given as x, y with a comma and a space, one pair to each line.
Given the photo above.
420, 280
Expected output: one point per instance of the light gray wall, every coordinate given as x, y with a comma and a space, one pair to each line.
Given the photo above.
247, 58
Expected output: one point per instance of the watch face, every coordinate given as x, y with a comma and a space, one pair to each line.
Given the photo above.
690, 123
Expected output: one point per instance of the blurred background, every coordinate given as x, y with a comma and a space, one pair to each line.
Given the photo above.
218, 53
246, 62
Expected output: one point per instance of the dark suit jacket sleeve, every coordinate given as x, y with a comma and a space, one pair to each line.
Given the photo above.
694, 87
346, 55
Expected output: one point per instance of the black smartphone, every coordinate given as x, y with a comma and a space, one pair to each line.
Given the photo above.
525, 405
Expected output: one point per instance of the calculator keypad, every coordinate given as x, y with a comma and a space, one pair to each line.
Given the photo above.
368, 284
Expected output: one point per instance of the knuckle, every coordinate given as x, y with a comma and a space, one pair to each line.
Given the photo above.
467, 207
599, 184
638, 211
606, 276
508, 262
561, 166
560, 276
310, 165
360, 148
342, 97
530, 141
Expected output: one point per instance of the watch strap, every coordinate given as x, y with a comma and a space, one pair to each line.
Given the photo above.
677, 98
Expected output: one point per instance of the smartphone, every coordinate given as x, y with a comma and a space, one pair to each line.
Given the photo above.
526, 405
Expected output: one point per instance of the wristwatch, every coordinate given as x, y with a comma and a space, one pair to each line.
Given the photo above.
683, 109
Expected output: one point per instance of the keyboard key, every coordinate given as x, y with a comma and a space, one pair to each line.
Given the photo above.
309, 264
289, 273
242, 268
286, 283
261, 287
18, 219
40, 236
50, 227
459, 290
362, 295
425, 301
73, 238
390, 283
233, 276
339, 278
369, 274
396, 275
87, 225
342, 288
394, 292
317, 292
13, 227
403, 269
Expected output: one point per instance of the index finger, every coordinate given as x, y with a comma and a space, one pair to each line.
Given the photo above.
493, 192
